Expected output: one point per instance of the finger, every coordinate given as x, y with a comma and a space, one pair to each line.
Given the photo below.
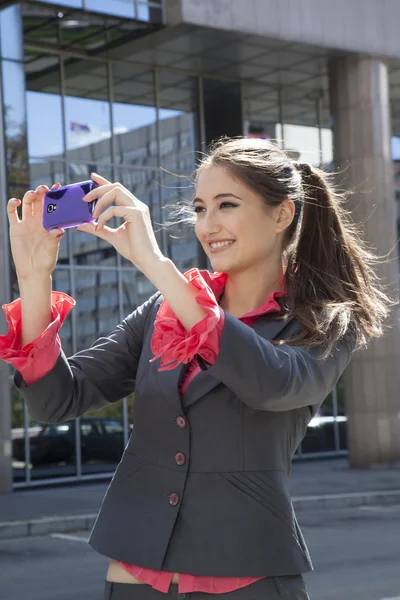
37, 205
55, 185
105, 233
12, 213
99, 192
27, 203
99, 179
57, 233
116, 194
115, 211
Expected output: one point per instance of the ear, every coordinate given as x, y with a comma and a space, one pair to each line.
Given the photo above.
285, 215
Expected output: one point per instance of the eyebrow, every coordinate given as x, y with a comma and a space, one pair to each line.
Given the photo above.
218, 197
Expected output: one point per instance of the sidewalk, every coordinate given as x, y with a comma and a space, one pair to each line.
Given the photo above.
323, 484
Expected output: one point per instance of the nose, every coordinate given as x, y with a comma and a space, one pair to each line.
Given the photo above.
211, 223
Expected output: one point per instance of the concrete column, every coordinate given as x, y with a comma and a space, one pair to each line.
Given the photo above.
5, 294
359, 94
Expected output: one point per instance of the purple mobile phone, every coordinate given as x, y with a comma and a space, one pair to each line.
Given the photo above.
63, 207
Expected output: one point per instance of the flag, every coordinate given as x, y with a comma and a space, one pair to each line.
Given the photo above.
79, 127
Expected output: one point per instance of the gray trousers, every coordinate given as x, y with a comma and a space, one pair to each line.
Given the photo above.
290, 587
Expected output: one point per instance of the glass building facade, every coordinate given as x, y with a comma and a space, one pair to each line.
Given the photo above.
76, 99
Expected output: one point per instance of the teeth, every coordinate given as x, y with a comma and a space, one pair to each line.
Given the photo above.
220, 244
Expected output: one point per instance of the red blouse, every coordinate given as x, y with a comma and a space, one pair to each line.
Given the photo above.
170, 342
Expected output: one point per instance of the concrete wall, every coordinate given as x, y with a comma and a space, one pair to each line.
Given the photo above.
370, 26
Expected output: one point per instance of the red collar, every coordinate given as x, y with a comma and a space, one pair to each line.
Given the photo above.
217, 282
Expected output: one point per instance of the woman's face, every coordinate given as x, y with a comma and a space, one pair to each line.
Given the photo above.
233, 224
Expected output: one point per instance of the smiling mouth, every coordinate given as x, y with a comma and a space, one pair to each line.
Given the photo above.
220, 246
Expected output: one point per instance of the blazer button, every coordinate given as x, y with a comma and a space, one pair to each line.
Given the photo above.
181, 422
180, 458
174, 499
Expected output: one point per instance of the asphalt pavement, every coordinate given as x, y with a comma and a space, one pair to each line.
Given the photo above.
355, 551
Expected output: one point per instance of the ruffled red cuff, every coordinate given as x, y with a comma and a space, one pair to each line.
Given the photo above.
173, 344
38, 357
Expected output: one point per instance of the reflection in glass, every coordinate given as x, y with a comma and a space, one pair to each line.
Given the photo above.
15, 128
183, 247
45, 138
301, 130
120, 8
97, 314
18, 434
218, 118
261, 111
136, 289
72, 3
61, 283
96, 310
87, 112
179, 129
134, 115
11, 33
46, 172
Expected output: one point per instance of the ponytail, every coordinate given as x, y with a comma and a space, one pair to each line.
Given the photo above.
332, 287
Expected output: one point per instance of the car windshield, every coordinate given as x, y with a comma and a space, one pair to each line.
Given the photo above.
57, 429
113, 427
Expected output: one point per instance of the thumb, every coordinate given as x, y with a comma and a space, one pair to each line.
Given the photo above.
56, 234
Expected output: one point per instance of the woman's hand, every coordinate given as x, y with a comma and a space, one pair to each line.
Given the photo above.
34, 249
134, 239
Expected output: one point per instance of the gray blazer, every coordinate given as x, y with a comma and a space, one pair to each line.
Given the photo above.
202, 486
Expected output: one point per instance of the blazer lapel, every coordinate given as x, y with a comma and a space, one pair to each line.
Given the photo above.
202, 383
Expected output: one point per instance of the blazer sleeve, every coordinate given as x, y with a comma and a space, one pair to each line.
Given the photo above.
92, 378
276, 378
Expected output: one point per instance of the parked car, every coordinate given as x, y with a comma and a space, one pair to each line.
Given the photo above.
101, 440
320, 435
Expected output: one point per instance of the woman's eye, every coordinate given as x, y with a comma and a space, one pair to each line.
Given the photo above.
198, 209
227, 205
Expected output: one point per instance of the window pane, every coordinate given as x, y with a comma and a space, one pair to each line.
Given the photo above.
15, 128
151, 13
97, 314
46, 172
61, 283
261, 111
11, 33
300, 129
87, 112
120, 8
181, 239
136, 289
134, 115
73, 3
45, 140
96, 310
179, 128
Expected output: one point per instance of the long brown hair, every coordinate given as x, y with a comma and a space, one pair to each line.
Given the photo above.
332, 288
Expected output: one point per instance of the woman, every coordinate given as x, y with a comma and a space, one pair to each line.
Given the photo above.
228, 369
